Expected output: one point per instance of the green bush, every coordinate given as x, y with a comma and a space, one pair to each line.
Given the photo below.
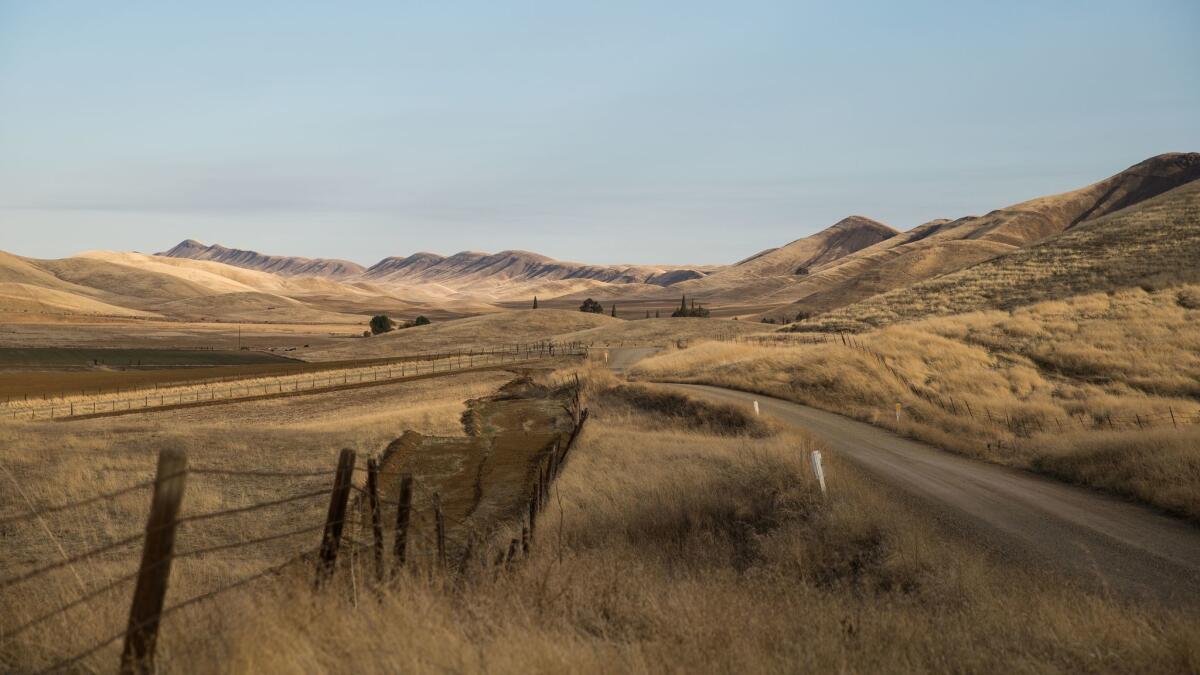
381, 324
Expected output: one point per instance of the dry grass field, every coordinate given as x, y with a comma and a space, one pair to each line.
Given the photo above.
681, 537
52, 463
508, 328
18, 330
1062, 386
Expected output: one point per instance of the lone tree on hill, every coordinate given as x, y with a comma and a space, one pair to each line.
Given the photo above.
535, 302
614, 309
380, 324
421, 321
592, 306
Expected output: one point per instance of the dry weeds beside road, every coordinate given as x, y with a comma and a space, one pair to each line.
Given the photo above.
1129, 549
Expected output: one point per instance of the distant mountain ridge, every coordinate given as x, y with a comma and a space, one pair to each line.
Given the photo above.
467, 268
288, 266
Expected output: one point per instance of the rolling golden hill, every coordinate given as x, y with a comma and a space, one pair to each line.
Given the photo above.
1152, 244
943, 246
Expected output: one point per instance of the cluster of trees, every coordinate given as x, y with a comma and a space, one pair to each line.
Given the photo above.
591, 306
595, 307
800, 316
690, 310
685, 309
380, 323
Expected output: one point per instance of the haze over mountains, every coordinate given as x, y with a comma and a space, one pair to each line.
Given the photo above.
854, 274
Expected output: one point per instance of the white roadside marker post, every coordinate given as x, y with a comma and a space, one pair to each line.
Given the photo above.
818, 470
756, 407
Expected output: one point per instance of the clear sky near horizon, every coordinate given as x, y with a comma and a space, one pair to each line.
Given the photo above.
670, 132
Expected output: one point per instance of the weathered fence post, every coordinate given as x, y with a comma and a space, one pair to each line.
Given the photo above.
151, 591
440, 525
1172, 411
402, 514
376, 517
335, 519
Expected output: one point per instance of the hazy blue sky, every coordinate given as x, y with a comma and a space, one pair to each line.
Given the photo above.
606, 131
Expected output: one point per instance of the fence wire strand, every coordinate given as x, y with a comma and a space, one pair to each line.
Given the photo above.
173, 608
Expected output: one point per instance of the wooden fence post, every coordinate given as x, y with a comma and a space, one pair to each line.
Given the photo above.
376, 517
440, 524
1172, 411
402, 515
335, 519
142, 632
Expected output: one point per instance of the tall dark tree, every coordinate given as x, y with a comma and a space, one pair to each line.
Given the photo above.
614, 309
535, 302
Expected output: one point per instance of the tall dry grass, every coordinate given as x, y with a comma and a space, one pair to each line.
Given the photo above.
664, 549
669, 550
1063, 366
45, 464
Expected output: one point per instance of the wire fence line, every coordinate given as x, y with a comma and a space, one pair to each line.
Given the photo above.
199, 392
1019, 422
274, 569
163, 521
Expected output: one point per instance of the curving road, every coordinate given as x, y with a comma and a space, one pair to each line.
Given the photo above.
1108, 543
1122, 547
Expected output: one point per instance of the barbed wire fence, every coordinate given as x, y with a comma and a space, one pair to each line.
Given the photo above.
338, 534
200, 392
1022, 423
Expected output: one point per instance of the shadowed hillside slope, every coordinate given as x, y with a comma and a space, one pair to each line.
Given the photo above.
1152, 244
940, 247
773, 273
290, 266
797, 258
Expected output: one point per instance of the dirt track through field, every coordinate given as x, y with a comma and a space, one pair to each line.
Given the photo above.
1115, 545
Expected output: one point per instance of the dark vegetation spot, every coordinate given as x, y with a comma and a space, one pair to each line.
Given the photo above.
714, 418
